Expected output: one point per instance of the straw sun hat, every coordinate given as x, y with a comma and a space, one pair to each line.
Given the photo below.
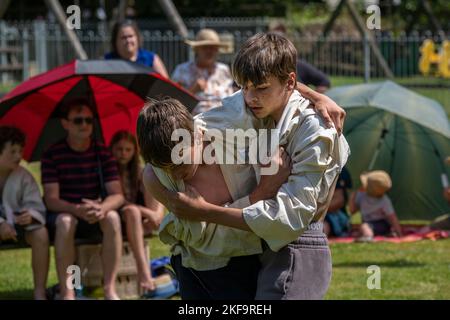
206, 37
376, 182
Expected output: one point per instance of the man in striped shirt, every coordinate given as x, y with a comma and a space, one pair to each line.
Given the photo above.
73, 195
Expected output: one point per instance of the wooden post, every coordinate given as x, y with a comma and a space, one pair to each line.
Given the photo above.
364, 33
121, 10
426, 6
333, 18
57, 9
362, 30
174, 17
329, 25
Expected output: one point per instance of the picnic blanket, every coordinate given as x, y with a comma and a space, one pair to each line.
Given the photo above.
411, 233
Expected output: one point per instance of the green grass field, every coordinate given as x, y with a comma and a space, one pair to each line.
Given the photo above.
16, 281
419, 270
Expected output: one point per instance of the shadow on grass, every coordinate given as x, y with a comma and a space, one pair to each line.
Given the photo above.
20, 294
401, 263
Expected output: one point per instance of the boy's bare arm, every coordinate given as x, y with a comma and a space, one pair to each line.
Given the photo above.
191, 205
153, 211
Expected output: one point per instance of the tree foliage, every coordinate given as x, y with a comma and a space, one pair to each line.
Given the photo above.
408, 15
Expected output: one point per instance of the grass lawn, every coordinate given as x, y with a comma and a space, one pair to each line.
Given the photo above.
16, 281
419, 270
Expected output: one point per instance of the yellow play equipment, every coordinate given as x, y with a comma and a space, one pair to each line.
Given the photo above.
440, 60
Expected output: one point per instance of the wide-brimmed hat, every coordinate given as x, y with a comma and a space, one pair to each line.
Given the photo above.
378, 179
206, 37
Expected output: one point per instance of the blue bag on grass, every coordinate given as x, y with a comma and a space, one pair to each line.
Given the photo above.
167, 284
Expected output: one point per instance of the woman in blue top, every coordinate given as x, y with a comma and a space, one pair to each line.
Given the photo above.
126, 44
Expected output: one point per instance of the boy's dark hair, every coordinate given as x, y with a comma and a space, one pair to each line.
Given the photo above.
264, 55
156, 123
115, 32
76, 103
11, 134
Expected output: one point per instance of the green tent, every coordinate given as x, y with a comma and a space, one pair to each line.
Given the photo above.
397, 130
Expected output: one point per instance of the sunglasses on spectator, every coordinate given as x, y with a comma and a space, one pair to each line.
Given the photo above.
79, 120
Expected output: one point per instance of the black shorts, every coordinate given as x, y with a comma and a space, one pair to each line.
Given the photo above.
236, 281
380, 227
84, 230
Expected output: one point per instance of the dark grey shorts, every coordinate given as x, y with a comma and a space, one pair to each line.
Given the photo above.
299, 271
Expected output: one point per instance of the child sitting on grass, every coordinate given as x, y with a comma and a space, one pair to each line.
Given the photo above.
377, 213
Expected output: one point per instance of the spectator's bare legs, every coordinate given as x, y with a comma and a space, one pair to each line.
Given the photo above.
111, 252
65, 251
365, 230
135, 235
38, 240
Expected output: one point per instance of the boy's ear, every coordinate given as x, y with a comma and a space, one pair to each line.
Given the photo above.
292, 81
64, 123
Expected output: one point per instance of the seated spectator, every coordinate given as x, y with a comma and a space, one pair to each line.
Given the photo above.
79, 205
337, 220
205, 77
377, 213
126, 42
311, 76
22, 212
142, 213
